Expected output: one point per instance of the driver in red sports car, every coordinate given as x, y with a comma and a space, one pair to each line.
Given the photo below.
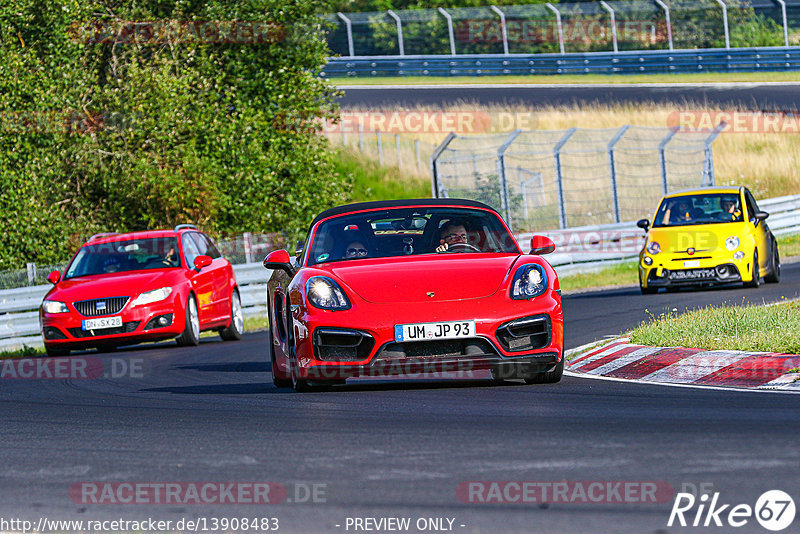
453, 232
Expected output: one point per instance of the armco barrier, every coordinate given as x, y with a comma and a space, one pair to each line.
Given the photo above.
583, 249
778, 58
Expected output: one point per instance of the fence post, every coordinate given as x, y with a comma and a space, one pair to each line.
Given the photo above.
449, 30
380, 147
434, 165
785, 24
361, 137
397, 144
562, 210
708, 165
665, 7
662, 158
608, 8
399, 31
344, 134
502, 28
416, 150
31, 267
559, 27
247, 241
349, 27
505, 198
725, 23
612, 170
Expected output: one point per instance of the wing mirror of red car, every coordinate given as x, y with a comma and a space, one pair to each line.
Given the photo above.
644, 224
54, 277
279, 260
202, 261
542, 245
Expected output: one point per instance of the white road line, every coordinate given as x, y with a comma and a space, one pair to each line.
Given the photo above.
716, 85
624, 360
696, 366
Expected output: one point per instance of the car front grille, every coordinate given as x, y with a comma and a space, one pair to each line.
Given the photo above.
108, 306
126, 328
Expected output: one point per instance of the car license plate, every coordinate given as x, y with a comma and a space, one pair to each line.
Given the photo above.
427, 331
691, 263
99, 324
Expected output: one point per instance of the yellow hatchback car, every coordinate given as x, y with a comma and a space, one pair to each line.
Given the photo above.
707, 236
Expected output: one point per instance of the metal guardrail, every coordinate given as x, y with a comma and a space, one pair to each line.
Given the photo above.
781, 58
19, 316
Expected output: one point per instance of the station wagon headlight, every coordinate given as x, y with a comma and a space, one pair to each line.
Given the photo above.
529, 281
653, 247
54, 306
326, 294
149, 297
732, 243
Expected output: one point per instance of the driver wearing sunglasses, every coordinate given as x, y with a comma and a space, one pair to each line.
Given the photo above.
356, 249
452, 233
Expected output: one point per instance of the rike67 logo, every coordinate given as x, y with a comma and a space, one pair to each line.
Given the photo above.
774, 510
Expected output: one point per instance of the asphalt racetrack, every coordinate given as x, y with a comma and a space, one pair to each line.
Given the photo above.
397, 449
741, 96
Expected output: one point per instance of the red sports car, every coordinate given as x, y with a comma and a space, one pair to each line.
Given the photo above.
122, 289
411, 286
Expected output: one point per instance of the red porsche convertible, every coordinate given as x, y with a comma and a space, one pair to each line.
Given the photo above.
412, 286
122, 289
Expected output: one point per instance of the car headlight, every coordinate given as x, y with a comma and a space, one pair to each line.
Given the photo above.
653, 247
732, 243
149, 297
648, 260
54, 306
326, 294
738, 255
529, 281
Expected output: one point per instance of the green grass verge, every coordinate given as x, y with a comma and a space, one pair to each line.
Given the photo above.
25, 352
622, 274
789, 245
371, 181
704, 77
752, 328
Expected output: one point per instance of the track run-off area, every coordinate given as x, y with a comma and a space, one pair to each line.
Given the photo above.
405, 449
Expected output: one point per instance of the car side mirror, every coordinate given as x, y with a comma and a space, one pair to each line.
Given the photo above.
202, 261
54, 277
760, 215
298, 249
644, 224
541, 245
279, 260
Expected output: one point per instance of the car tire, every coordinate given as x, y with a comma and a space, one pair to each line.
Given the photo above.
277, 382
234, 331
549, 377
648, 290
756, 281
53, 352
191, 333
774, 275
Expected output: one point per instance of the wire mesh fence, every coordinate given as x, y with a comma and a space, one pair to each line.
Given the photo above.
548, 179
615, 25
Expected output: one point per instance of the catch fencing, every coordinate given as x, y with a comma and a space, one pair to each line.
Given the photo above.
576, 27
546, 179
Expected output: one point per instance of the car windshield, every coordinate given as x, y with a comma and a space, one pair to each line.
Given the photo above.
409, 231
699, 209
125, 255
